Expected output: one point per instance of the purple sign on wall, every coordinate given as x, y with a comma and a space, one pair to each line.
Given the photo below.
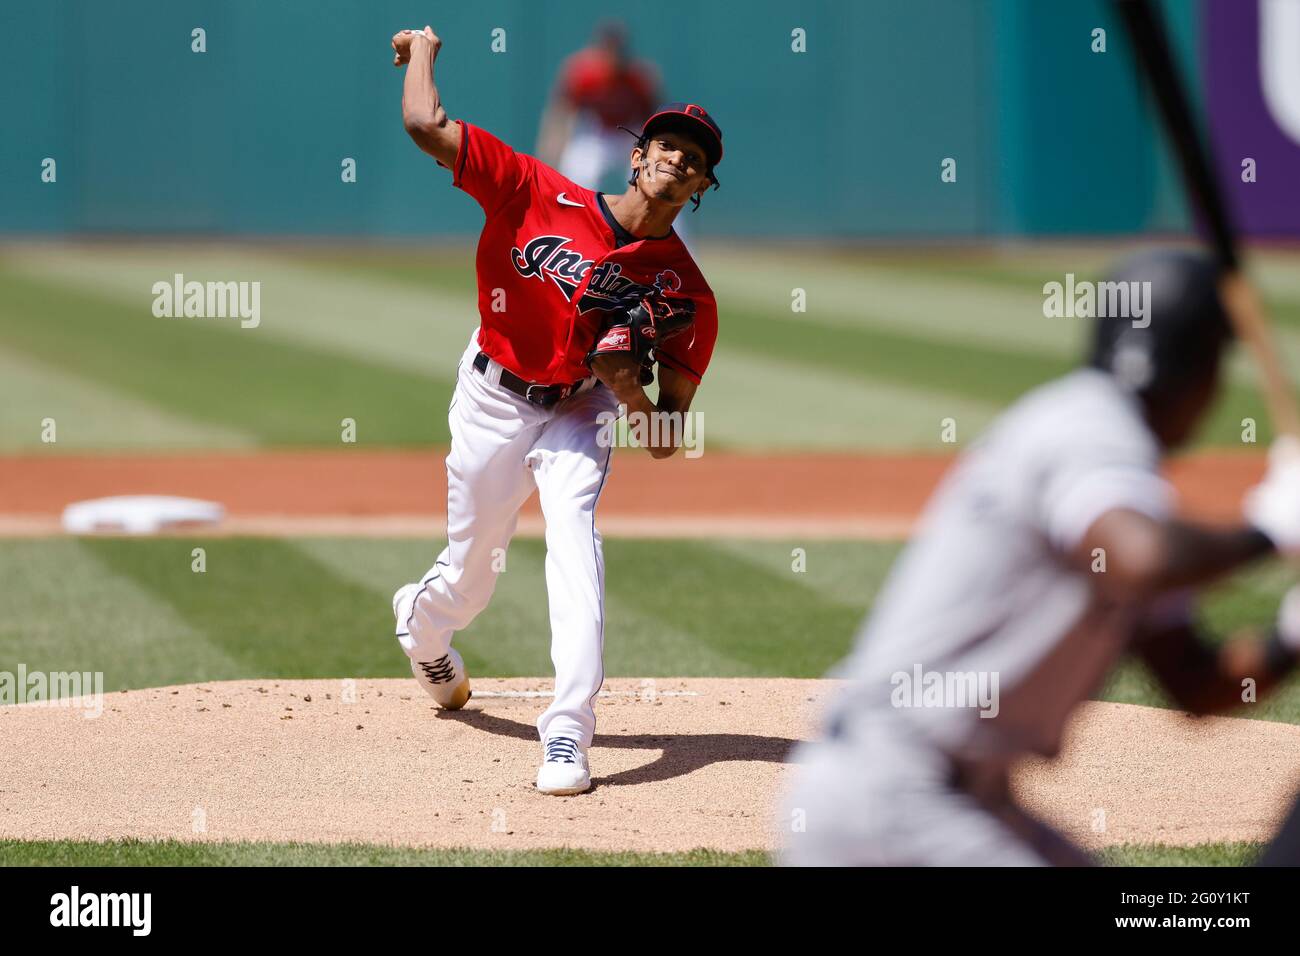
1252, 89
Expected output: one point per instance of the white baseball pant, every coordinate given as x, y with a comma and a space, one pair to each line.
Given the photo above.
880, 795
502, 448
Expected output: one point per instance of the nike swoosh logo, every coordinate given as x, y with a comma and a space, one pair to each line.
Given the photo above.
563, 201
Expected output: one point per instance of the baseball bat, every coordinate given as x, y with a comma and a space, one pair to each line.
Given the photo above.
1240, 298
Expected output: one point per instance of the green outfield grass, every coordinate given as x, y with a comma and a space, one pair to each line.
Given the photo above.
177, 853
1205, 854
889, 345
320, 607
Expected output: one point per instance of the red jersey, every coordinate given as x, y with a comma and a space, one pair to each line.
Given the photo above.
614, 93
550, 267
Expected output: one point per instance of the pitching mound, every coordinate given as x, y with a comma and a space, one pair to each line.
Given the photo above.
1132, 774
677, 764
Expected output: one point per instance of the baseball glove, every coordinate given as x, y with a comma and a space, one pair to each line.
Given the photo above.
648, 322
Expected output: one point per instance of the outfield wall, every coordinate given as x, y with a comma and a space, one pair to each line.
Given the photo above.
844, 139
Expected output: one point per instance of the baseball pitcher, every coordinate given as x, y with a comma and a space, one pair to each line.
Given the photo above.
1050, 548
582, 299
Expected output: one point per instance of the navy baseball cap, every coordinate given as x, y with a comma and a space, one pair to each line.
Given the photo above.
693, 119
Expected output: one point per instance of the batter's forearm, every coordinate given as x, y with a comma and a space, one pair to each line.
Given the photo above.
1196, 555
423, 114
1146, 557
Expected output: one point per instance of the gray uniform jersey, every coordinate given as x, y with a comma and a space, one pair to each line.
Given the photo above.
983, 637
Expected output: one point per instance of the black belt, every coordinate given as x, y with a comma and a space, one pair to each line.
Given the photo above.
541, 395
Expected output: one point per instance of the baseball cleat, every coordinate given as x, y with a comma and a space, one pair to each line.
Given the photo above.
564, 769
444, 680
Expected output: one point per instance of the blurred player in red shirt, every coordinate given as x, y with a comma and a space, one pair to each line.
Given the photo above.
598, 89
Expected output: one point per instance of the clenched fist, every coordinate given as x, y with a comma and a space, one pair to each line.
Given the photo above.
406, 39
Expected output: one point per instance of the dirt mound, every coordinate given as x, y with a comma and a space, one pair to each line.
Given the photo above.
677, 764
1133, 774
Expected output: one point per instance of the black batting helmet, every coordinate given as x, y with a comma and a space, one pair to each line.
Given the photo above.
1184, 330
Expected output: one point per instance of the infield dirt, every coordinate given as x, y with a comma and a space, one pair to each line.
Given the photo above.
677, 764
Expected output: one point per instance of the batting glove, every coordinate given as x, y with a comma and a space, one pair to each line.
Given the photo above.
1273, 506
1288, 620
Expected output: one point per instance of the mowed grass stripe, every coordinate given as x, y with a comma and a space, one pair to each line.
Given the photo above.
841, 572
924, 315
779, 380
852, 294
977, 374
512, 638
1030, 265
71, 607
755, 402
216, 373
989, 306
874, 354
180, 853
922, 304
766, 619
1016, 270
824, 411
1275, 275
270, 608
445, 269
88, 415
1203, 854
758, 396
371, 318
1275, 272
81, 853
267, 606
